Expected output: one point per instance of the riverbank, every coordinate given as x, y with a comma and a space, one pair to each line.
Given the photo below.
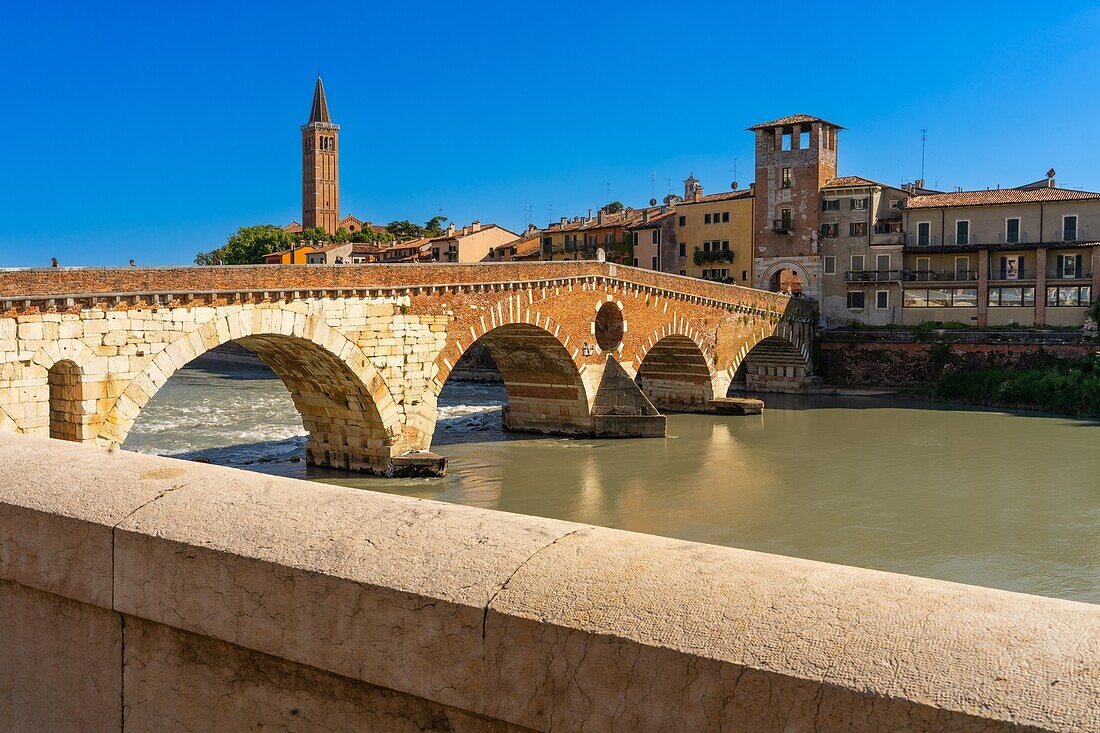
1061, 387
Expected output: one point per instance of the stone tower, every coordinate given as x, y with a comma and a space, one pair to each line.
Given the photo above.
320, 166
794, 156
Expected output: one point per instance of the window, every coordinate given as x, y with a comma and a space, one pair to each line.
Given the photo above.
786, 179
683, 221
607, 238
830, 205
915, 299
939, 298
744, 275
706, 218
962, 268
653, 263
924, 233
1069, 228
635, 262
855, 228
706, 246
1068, 266
830, 265
857, 263
962, 232
1012, 230
785, 142
785, 218
964, 298
725, 217
882, 262
882, 299
1011, 268
634, 238
830, 231
855, 300
1069, 296
683, 272
726, 245
683, 249
858, 204
895, 203
804, 139
655, 236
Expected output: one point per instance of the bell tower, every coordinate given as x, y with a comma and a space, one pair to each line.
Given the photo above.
320, 166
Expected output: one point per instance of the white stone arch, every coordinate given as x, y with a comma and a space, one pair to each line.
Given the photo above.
799, 356
38, 391
765, 280
279, 330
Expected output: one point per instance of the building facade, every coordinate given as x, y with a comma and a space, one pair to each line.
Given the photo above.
861, 251
1025, 256
714, 235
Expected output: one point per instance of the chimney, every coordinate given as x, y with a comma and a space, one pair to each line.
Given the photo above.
451, 229
645, 216
590, 213
475, 226
564, 220
599, 216
1050, 178
465, 230
698, 192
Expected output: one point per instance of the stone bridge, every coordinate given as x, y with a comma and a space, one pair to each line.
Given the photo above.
583, 347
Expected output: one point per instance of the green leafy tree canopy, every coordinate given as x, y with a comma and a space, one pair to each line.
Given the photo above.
249, 244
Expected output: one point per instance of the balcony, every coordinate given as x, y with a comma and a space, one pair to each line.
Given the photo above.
921, 276
713, 256
872, 276
1076, 274
1000, 273
783, 226
887, 232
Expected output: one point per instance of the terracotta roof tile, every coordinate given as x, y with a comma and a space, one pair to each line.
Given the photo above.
793, 120
997, 196
724, 196
851, 181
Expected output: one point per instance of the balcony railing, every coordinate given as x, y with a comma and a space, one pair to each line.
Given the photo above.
888, 227
782, 226
1000, 273
976, 238
939, 275
872, 276
1056, 274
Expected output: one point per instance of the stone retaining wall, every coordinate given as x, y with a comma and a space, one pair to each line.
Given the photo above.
141, 593
849, 359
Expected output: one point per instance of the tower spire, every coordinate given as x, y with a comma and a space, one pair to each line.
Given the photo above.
319, 111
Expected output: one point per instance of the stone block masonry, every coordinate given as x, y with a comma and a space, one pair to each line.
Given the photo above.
140, 593
365, 350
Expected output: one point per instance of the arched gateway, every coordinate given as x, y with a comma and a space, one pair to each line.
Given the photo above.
364, 350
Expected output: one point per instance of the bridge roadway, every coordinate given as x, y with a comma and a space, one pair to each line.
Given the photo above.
584, 348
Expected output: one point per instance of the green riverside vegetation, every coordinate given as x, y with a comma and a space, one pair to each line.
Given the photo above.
1056, 385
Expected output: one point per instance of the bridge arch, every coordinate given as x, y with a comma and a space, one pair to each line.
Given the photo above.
778, 360
543, 376
345, 404
675, 372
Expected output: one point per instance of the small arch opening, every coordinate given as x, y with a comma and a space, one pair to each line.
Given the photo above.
66, 396
786, 281
609, 327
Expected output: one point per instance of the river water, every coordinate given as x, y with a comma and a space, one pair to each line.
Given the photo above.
1001, 499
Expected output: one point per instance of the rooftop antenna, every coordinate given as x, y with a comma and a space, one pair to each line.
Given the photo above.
923, 144
526, 216
607, 193
669, 182
653, 189
733, 185
550, 215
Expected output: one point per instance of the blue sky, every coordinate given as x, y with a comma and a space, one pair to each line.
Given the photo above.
153, 130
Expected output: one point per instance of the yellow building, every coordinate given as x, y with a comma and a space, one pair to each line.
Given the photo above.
713, 235
298, 254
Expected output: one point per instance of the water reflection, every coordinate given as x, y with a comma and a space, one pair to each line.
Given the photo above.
1007, 500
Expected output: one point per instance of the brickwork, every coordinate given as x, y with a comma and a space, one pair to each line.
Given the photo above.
365, 350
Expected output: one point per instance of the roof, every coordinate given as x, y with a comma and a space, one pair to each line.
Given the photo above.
319, 111
654, 221
745, 193
793, 120
459, 234
852, 181
997, 196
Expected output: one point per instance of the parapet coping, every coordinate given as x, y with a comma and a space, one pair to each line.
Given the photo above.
541, 623
93, 298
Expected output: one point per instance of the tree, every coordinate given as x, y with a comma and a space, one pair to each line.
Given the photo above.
404, 229
249, 245
341, 235
372, 235
434, 227
208, 258
315, 234
614, 207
